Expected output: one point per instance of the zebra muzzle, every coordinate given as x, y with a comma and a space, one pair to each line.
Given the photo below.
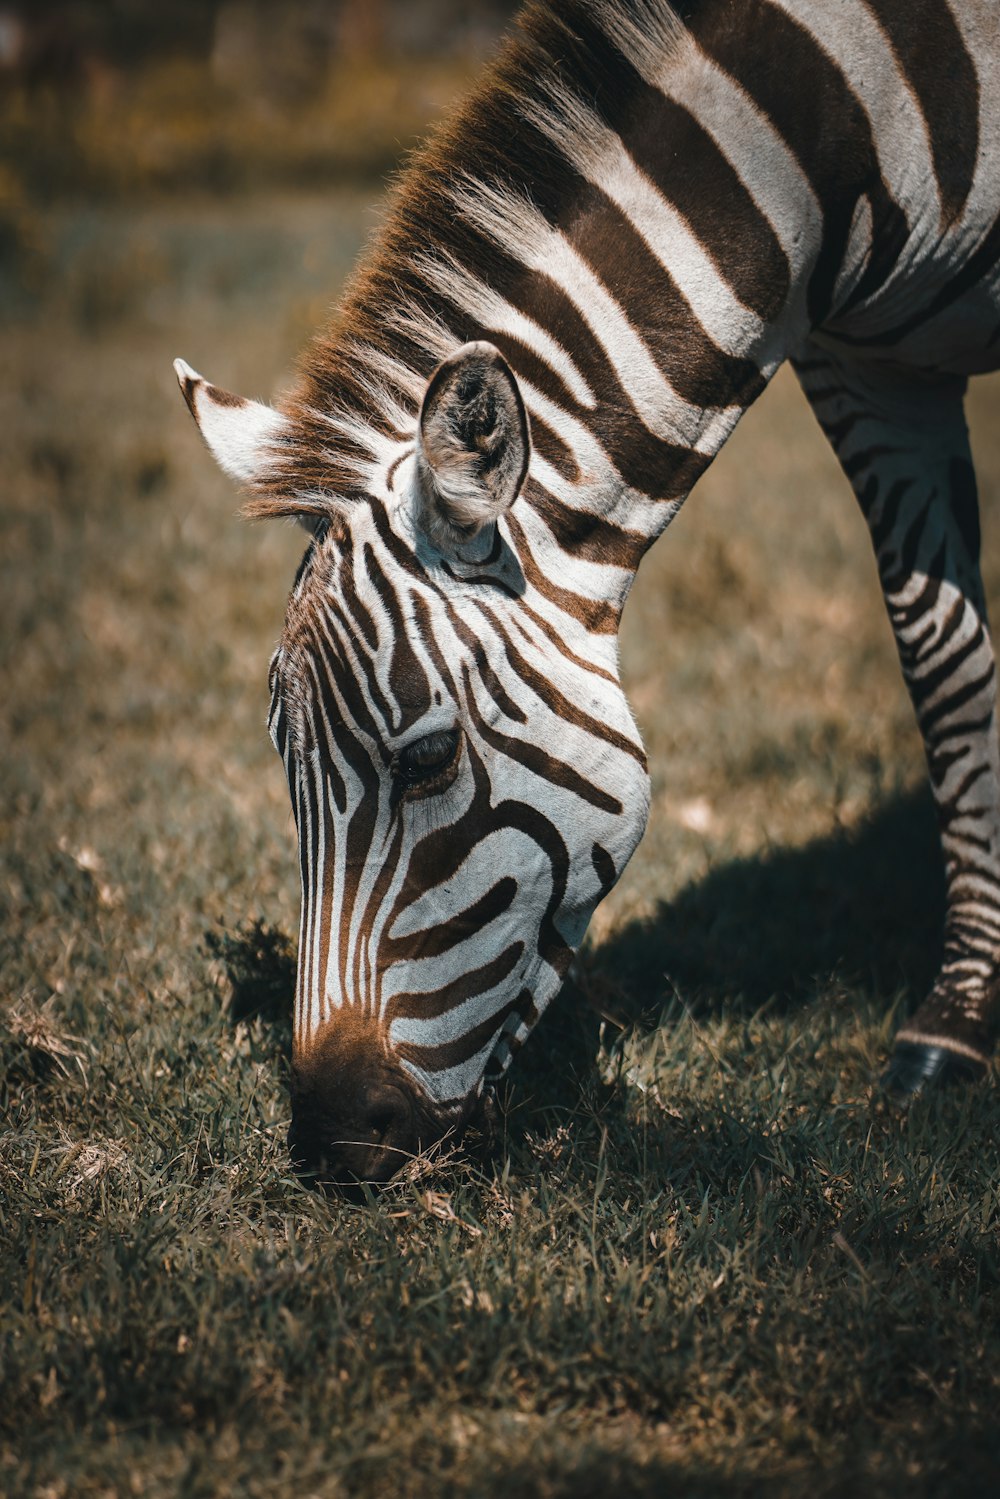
354, 1115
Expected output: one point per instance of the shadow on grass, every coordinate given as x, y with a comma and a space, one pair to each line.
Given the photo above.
862, 909
864, 905
259, 964
963, 1465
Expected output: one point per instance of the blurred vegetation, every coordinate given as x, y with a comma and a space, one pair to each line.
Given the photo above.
130, 101
694, 1258
127, 97
170, 127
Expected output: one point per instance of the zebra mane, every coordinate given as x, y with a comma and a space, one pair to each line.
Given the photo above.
491, 176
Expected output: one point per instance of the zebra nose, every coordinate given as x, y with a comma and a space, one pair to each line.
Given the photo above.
369, 1139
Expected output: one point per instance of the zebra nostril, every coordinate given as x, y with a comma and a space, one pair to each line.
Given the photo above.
386, 1118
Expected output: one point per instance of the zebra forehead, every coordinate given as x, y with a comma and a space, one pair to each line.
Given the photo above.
357, 644
361, 580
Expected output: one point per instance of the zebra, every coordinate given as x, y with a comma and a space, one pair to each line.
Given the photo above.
585, 277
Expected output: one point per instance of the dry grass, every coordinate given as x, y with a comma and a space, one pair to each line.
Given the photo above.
695, 1260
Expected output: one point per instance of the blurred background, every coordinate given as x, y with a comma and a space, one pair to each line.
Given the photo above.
111, 97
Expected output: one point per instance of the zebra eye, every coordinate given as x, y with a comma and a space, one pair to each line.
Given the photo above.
426, 758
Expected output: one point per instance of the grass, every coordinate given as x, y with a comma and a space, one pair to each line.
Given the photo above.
695, 1257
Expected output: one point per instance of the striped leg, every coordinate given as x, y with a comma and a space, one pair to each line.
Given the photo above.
903, 444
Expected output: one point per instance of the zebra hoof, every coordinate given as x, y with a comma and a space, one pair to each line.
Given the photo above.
918, 1067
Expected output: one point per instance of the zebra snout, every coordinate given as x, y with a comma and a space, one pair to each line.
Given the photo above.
365, 1135
356, 1116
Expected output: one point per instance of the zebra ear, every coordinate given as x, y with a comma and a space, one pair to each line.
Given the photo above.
474, 443
238, 432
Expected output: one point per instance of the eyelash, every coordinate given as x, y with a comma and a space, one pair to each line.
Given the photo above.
416, 778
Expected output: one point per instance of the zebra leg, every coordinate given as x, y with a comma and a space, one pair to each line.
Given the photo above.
904, 446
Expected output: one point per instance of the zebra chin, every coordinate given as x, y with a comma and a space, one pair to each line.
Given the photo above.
357, 1116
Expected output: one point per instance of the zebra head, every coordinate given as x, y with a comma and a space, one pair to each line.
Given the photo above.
465, 773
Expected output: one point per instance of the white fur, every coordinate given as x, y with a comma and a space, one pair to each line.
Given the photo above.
239, 433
